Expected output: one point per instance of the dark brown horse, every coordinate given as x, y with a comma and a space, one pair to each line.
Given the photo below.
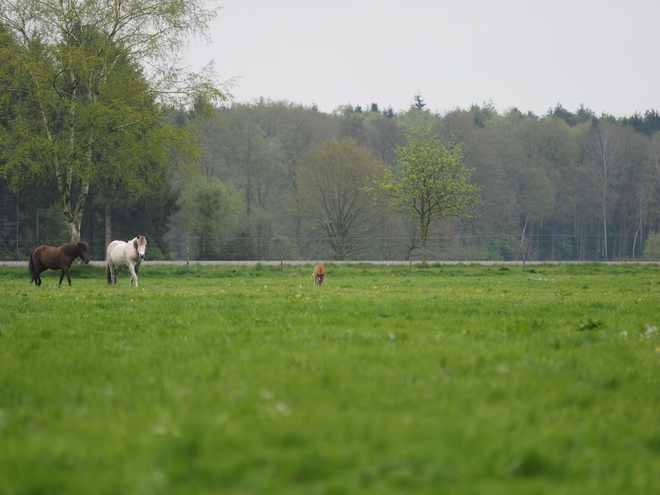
56, 258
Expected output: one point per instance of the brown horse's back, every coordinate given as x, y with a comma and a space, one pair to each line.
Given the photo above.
48, 257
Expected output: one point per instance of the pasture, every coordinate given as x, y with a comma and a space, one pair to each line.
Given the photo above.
458, 379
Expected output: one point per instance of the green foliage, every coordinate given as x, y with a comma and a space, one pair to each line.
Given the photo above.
430, 184
209, 212
533, 171
84, 110
649, 124
652, 247
389, 380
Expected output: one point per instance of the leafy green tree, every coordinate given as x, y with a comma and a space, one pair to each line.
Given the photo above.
331, 187
431, 183
208, 215
82, 76
652, 247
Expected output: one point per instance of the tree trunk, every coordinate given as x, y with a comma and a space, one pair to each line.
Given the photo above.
424, 234
18, 223
108, 222
604, 225
639, 227
523, 246
73, 219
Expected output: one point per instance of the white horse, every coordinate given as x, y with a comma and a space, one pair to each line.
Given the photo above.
120, 254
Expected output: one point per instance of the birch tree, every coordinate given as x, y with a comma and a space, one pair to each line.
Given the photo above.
90, 70
603, 163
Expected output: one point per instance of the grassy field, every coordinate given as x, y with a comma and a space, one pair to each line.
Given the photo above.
388, 380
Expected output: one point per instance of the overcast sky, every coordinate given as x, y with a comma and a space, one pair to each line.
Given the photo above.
526, 54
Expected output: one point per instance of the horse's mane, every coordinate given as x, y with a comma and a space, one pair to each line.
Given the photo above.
72, 248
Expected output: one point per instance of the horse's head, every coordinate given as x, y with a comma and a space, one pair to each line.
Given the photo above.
83, 251
140, 244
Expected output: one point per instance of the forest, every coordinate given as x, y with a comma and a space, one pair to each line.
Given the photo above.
568, 185
104, 136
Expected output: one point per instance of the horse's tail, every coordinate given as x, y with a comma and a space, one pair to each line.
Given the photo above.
108, 275
33, 274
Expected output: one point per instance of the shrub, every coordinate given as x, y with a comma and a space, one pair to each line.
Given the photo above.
652, 247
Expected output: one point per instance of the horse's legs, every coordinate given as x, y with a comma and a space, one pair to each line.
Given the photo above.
133, 275
65, 271
114, 270
38, 268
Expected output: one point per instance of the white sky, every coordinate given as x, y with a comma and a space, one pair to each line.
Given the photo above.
518, 53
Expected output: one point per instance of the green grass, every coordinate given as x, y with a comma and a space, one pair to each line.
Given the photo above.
388, 380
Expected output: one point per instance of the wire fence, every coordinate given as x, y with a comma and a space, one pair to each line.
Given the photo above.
375, 248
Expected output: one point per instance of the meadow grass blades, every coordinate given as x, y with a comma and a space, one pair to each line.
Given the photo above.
389, 380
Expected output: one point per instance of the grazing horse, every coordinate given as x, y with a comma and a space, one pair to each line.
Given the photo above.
56, 258
121, 254
318, 275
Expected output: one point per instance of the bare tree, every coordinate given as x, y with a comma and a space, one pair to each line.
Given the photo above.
653, 161
603, 162
331, 187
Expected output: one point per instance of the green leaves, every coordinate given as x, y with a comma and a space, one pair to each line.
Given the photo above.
431, 182
209, 209
76, 75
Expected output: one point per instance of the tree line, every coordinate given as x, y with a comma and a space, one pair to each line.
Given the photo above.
568, 185
278, 180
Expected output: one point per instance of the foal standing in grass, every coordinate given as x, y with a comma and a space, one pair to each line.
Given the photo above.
121, 254
318, 275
